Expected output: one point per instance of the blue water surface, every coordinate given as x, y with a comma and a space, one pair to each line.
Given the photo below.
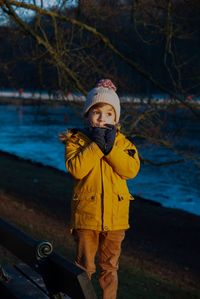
32, 132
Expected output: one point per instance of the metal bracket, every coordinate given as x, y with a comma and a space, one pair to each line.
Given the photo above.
43, 250
4, 277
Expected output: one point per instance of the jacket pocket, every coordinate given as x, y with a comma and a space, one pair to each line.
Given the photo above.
121, 202
84, 203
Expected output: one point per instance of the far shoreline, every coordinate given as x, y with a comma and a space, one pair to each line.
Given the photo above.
53, 101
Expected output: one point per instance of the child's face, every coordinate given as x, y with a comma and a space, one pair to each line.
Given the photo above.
99, 116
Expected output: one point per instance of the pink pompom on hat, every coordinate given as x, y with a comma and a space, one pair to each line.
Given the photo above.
103, 92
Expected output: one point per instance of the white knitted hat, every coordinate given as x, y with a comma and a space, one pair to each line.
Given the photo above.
103, 92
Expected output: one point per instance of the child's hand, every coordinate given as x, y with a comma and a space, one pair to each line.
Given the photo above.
98, 136
110, 134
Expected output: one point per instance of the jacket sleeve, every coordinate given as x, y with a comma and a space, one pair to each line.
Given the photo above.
80, 160
124, 161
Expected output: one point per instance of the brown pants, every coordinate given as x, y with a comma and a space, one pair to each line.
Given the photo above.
108, 245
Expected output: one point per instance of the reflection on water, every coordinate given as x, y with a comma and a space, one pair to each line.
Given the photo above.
32, 132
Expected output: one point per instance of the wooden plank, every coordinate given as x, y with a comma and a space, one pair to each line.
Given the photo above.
64, 276
19, 243
34, 277
18, 287
31, 275
59, 274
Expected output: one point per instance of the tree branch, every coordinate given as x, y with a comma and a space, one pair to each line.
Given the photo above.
44, 42
106, 42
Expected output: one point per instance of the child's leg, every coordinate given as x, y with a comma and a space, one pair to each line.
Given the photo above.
87, 242
109, 252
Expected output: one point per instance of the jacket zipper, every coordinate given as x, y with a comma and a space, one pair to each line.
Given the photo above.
102, 195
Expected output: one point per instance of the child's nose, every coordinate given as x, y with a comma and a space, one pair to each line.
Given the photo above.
101, 116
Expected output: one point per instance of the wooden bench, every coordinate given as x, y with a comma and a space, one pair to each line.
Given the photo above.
41, 274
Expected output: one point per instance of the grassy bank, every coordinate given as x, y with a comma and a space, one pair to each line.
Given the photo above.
160, 257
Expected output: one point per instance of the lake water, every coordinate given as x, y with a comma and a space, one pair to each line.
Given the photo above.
32, 132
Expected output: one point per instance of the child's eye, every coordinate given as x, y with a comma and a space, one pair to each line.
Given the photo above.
109, 114
95, 112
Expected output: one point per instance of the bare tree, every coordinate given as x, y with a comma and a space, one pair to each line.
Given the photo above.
73, 41
87, 42
176, 24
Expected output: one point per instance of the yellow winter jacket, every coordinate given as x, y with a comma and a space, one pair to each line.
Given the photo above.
101, 197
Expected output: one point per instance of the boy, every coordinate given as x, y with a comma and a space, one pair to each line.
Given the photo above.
100, 159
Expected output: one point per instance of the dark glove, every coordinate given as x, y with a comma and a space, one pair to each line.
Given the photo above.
98, 136
110, 134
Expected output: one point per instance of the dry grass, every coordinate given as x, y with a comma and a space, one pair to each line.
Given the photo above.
138, 272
